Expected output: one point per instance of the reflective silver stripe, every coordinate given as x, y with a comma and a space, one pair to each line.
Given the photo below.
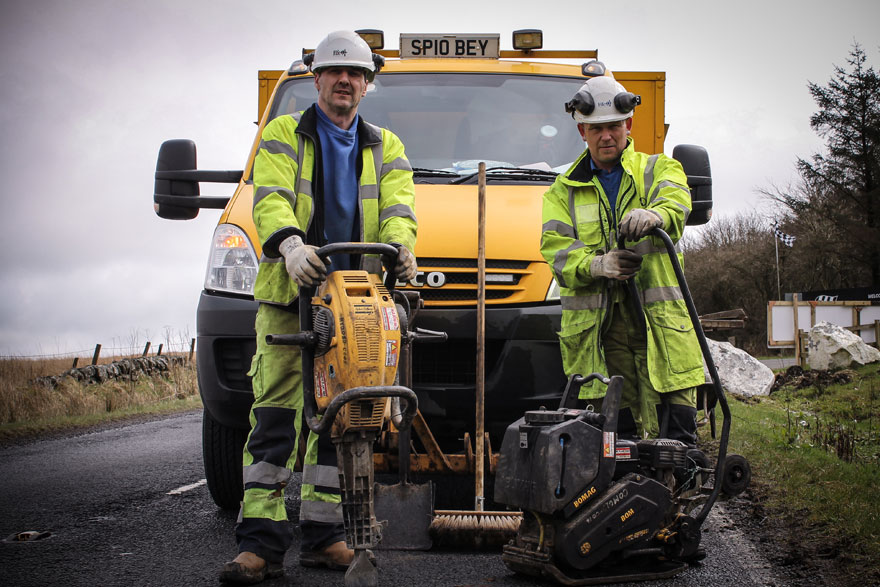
321, 511
298, 180
399, 163
559, 227
274, 147
321, 475
369, 191
649, 172
265, 473
265, 259
662, 294
397, 210
591, 302
297, 116
561, 257
666, 184
377, 151
571, 207
265, 190
685, 209
646, 247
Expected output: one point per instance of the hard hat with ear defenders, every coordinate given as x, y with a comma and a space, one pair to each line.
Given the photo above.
602, 99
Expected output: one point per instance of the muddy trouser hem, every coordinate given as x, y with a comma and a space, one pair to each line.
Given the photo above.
320, 517
642, 408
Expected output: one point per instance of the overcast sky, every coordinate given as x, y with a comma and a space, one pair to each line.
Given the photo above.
90, 89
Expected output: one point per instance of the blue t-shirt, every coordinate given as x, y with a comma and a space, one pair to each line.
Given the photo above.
610, 181
339, 150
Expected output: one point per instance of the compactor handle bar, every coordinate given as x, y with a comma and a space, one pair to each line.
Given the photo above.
707, 357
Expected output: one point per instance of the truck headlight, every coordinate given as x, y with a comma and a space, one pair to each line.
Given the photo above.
552, 292
232, 263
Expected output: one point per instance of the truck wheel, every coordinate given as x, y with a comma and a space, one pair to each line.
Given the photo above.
737, 474
222, 448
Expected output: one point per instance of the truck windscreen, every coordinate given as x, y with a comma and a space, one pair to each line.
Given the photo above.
451, 121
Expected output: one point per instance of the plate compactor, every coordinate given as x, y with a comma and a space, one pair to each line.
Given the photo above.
598, 508
350, 333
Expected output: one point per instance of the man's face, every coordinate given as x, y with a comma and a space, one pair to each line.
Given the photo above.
340, 89
606, 141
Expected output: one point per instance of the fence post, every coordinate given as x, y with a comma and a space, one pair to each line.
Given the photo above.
75, 361
192, 349
146, 348
97, 354
159, 351
877, 333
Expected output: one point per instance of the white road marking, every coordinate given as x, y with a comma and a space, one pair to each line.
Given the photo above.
186, 488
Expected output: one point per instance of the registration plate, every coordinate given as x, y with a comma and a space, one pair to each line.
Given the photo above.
436, 45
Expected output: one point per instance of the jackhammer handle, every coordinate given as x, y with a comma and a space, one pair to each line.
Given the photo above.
388, 253
424, 335
322, 425
300, 339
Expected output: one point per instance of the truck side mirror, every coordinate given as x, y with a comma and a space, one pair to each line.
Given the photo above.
176, 191
176, 155
695, 161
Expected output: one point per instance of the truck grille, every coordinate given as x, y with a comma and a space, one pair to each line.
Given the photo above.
234, 361
460, 280
452, 363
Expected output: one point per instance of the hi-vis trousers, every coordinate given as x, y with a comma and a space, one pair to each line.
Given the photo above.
271, 448
642, 409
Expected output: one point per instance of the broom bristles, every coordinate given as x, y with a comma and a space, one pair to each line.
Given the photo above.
474, 528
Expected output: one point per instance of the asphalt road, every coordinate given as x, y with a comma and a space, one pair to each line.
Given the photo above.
108, 499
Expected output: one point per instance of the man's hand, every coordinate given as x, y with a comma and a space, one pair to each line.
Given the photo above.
405, 268
620, 264
639, 222
303, 264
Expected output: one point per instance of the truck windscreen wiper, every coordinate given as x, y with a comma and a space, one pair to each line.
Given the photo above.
510, 173
426, 172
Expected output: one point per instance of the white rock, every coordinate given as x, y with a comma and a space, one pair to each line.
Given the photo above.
740, 373
833, 347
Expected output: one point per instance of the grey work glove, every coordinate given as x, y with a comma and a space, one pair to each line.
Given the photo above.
405, 268
639, 222
303, 263
620, 264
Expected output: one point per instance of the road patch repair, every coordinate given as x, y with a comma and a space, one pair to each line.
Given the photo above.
27, 536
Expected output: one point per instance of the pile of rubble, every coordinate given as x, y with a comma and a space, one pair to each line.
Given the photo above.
122, 370
799, 378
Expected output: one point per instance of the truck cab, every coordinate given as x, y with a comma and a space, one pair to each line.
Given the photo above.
454, 101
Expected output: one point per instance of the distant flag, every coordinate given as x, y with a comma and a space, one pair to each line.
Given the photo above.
787, 239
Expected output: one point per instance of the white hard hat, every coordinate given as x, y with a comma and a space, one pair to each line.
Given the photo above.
344, 49
602, 99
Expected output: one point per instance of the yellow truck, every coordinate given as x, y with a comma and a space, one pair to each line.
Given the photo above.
454, 100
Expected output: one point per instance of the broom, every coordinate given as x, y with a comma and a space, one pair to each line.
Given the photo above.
477, 528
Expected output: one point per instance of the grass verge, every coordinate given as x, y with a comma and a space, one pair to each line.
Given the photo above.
29, 409
815, 457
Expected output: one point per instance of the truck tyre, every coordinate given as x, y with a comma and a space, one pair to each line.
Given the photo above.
222, 448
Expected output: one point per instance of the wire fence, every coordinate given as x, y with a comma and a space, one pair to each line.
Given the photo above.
181, 347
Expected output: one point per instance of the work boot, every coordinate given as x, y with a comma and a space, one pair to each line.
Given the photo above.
336, 557
248, 568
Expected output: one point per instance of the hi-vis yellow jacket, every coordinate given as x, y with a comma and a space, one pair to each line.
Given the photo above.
577, 225
288, 196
